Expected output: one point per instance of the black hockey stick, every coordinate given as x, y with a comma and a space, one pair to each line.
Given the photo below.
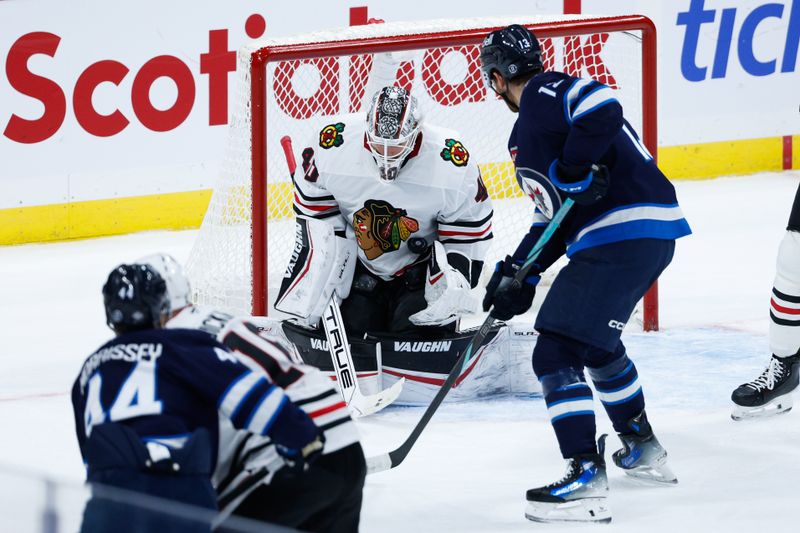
386, 461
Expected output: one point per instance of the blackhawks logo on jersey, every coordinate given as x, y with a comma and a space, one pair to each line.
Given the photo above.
455, 152
331, 135
381, 228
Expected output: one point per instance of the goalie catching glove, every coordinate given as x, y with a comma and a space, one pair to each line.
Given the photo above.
447, 292
321, 266
505, 301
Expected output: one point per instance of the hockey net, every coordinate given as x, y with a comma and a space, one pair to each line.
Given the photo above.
295, 86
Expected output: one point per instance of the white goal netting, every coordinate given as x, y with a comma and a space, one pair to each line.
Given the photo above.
322, 77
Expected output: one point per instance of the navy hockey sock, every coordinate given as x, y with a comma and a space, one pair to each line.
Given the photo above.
571, 408
617, 386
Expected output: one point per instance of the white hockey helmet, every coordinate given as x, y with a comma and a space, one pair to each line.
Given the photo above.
393, 124
178, 288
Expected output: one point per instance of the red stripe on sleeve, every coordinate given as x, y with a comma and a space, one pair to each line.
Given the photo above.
326, 410
782, 309
313, 207
466, 233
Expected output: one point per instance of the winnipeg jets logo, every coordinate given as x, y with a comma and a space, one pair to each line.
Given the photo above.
538, 187
538, 198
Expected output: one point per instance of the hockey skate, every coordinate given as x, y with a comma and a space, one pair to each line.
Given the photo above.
771, 392
642, 456
580, 496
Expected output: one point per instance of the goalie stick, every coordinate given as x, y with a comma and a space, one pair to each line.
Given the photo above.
388, 460
339, 348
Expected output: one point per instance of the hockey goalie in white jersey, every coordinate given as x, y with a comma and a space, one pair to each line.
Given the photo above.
394, 221
411, 200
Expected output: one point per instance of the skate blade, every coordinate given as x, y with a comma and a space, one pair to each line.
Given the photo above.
661, 475
581, 510
777, 406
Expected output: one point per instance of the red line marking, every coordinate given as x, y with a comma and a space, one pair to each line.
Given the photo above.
436, 278
787, 152
33, 396
782, 309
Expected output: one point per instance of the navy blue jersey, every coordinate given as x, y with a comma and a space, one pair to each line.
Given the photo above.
165, 383
580, 122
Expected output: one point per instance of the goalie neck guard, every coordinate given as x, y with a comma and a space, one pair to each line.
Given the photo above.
393, 124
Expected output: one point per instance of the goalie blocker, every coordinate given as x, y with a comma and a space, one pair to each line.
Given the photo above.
502, 366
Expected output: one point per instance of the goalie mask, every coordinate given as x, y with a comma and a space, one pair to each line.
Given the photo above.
393, 125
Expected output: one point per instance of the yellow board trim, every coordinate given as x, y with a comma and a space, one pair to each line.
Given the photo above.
79, 220
183, 210
796, 152
711, 160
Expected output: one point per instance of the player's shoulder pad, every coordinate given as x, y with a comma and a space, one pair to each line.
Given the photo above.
543, 95
573, 97
201, 317
187, 337
447, 149
332, 145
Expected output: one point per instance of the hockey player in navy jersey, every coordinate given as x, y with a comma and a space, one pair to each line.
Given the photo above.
147, 404
250, 481
571, 140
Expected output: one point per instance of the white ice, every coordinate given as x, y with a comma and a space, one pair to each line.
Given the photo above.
472, 465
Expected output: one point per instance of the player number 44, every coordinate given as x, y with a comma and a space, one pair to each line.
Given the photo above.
137, 397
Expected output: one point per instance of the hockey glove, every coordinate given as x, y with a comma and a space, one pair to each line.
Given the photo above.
297, 438
447, 292
298, 460
504, 301
585, 186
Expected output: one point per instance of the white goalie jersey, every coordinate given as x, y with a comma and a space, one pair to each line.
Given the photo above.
438, 195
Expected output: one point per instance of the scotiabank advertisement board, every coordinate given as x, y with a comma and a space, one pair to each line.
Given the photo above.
107, 101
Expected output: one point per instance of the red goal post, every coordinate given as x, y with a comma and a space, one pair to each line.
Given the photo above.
264, 73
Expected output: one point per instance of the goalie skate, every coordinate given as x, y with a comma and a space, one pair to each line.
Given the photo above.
579, 496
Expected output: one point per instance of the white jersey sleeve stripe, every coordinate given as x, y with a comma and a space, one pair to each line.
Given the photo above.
571, 96
231, 399
265, 412
595, 99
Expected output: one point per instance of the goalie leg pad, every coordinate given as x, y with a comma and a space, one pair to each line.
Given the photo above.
501, 366
321, 265
312, 347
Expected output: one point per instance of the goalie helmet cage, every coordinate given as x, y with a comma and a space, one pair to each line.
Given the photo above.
298, 85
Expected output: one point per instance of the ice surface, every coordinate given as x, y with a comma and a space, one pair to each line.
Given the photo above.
472, 465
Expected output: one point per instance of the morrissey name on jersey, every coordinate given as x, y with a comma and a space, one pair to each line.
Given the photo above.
132, 353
